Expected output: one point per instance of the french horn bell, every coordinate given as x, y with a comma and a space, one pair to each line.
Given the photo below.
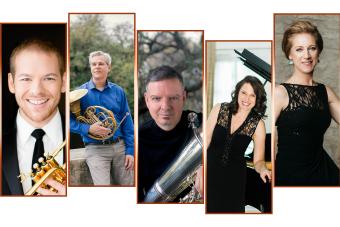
92, 114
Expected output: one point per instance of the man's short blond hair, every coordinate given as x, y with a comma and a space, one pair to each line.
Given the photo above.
37, 44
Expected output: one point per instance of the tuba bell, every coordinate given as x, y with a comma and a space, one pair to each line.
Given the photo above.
48, 167
181, 172
92, 114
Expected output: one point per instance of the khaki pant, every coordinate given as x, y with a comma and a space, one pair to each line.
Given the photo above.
100, 159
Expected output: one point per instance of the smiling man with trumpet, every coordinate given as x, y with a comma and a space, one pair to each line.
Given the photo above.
103, 120
37, 78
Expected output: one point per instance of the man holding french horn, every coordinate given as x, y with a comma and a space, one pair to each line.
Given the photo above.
105, 125
170, 144
37, 78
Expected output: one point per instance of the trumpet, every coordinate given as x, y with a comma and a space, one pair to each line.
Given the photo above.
48, 167
94, 114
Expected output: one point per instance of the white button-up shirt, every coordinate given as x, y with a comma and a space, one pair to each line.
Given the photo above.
25, 144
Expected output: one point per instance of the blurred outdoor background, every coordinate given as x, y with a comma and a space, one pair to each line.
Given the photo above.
181, 50
111, 33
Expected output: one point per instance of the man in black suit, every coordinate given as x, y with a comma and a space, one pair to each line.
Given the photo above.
37, 78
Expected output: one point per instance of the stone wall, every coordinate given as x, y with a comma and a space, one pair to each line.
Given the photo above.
79, 171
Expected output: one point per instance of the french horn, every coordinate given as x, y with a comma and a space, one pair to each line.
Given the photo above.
48, 167
181, 172
92, 114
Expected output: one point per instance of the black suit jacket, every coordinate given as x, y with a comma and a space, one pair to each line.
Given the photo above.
11, 184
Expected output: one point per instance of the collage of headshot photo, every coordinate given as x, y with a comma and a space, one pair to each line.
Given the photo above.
97, 104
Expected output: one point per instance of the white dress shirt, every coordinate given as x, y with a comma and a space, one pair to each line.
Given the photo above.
25, 144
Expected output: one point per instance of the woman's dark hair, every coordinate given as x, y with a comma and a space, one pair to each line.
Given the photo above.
299, 27
261, 95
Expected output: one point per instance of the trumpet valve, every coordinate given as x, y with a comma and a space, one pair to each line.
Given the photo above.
35, 177
36, 167
44, 165
52, 162
60, 176
38, 171
42, 162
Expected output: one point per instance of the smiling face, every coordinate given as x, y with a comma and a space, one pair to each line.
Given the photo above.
304, 53
37, 85
165, 101
99, 68
246, 97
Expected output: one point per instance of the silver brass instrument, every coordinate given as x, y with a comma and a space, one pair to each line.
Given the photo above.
93, 114
48, 167
181, 172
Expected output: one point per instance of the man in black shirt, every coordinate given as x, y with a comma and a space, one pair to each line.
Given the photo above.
162, 138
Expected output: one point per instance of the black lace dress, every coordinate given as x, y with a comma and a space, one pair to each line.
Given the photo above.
301, 159
226, 165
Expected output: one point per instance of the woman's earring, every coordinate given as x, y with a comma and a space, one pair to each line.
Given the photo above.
290, 62
318, 60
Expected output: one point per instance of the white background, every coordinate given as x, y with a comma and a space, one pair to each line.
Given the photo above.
221, 19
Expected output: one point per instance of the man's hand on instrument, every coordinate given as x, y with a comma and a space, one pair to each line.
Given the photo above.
199, 180
97, 130
61, 188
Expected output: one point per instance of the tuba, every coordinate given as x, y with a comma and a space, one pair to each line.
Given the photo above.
92, 114
48, 167
181, 172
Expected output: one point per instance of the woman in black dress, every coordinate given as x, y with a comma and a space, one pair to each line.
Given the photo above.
303, 112
230, 129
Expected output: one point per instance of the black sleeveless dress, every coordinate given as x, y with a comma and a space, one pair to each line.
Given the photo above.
301, 159
226, 165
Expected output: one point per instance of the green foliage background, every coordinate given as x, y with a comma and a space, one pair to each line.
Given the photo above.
90, 33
